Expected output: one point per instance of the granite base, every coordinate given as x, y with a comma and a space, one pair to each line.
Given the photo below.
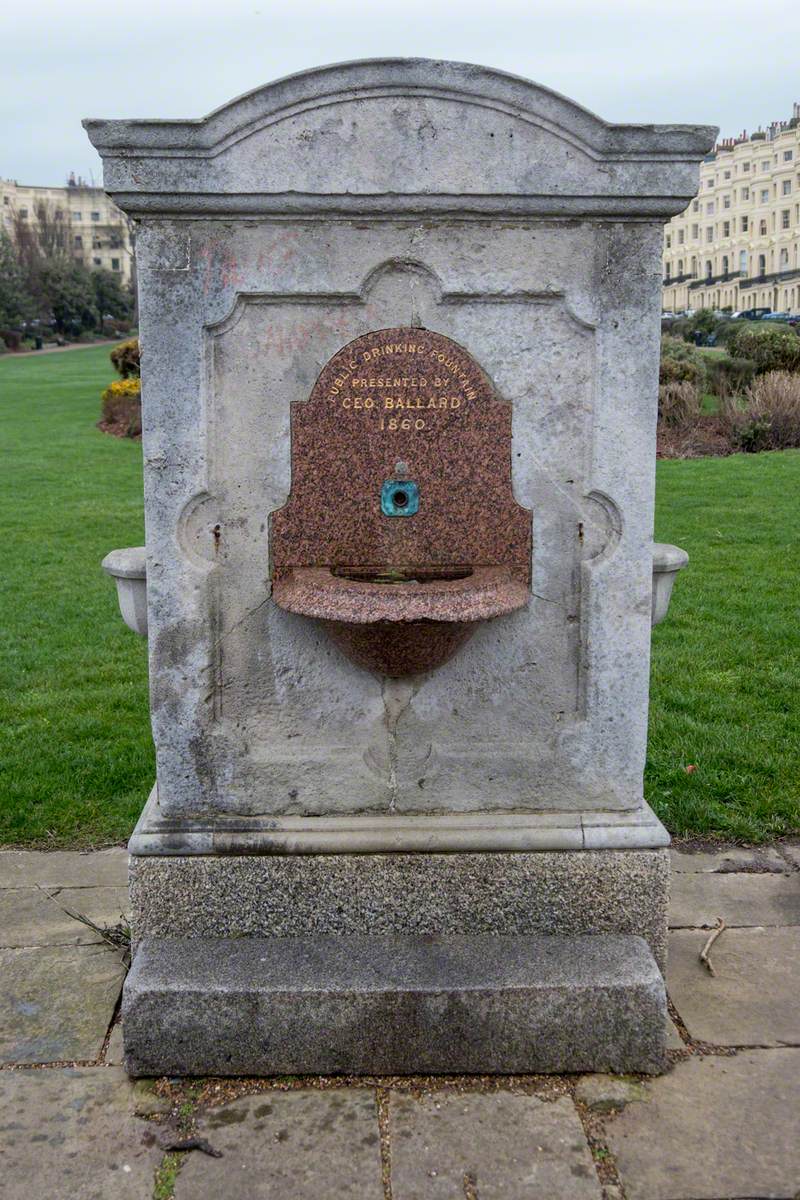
304, 895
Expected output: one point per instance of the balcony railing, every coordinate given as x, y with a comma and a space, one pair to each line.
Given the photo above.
774, 277
710, 280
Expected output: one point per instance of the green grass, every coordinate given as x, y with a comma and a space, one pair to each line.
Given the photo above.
726, 662
76, 758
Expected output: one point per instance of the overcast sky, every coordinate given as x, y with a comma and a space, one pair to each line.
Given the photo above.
734, 63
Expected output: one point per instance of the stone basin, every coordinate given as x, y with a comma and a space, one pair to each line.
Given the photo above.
400, 622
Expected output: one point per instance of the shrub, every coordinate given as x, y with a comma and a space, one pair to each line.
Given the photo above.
769, 349
678, 403
680, 363
729, 376
769, 416
122, 408
125, 359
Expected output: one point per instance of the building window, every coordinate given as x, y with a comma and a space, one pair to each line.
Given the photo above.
668, 273
709, 269
785, 218
745, 193
59, 216
787, 187
78, 242
726, 229
710, 233
746, 166
695, 232
97, 244
762, 227
115, 264
95, 216
6, 200
710, 206
695, 206
762, 265
743, 261
680, 266
765, 164
765, 195
96, 262
23, 214
727, 175
788, 155
726, 201
724, 264
669, 241
745, 224
784, 259
76, 216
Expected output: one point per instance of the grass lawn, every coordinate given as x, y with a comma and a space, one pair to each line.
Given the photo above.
76, 759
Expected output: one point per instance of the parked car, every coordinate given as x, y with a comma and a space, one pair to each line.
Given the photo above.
751, 314
776, 316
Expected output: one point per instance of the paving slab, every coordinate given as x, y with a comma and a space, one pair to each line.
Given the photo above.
791, 851
301, 1144
115, 1050
674, 1039
32, 916
56, 1002
64, 868
737, 858
499, 1147
72, 1135
751, 1000
715, 1128
699, 899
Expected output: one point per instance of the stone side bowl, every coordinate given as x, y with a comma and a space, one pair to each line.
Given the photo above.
667, 561
128, 570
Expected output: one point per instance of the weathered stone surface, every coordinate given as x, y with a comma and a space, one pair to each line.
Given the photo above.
597, 891
63, 868
608, 1093
31, 917
699, 899
757, 859
791, 850
751, 1000
303, 1145
72, 1135
715, 1128
56, 1003
498, 1146
393, 1005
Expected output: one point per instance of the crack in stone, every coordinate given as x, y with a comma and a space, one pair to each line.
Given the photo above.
397, 695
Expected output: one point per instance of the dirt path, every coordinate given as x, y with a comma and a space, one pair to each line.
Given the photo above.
59, 349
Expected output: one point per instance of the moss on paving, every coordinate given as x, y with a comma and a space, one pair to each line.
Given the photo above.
76, 758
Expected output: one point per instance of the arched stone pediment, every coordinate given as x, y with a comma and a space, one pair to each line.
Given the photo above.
401, 134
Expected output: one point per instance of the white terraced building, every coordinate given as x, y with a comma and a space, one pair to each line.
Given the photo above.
737, 245
83, 221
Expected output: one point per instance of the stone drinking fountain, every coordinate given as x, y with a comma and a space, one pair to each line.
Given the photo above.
400, 333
